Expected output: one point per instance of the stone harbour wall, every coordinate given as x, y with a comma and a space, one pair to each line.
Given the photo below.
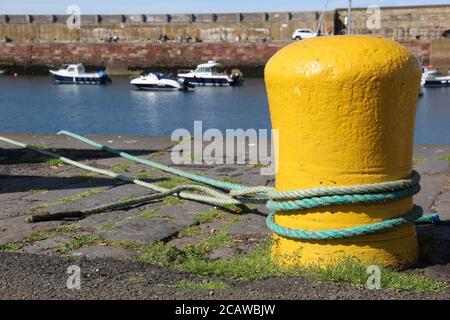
400, 23
147, 28
33, 43
120, 58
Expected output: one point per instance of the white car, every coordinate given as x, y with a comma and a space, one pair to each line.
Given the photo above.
300, 34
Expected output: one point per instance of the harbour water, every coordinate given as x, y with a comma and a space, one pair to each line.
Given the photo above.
34, 104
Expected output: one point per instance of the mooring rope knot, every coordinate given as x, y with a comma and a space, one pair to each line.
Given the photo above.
278, 202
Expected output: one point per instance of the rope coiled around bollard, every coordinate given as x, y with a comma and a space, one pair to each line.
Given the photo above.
276, 201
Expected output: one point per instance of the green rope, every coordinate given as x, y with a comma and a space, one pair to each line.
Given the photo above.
281, 202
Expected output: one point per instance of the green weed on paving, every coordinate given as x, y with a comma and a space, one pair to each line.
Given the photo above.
172, 182
40, 235
208, 216
68, 228
173, 201
54, 162
76, 243
444, 158
11, 246
257, 264
189, 231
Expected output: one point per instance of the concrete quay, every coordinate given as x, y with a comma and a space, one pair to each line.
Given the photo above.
110, 246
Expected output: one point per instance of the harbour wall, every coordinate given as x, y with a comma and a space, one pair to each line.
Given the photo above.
232, 27
119, 58
429, 22
123, 58
123, 43
401, 23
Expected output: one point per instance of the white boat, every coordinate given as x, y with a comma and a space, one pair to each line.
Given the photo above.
2, 71
75, 73
208, 74
434, 78
158, 81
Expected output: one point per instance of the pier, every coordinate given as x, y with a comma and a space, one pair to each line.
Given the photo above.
306, 157
128, 43
116, 245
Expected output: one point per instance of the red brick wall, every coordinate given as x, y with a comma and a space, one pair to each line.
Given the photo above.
139, 56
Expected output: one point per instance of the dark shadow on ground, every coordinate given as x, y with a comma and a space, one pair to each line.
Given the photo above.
434, 244
26, 156
15, 183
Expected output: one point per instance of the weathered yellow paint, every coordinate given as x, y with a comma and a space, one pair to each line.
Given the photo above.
345, 109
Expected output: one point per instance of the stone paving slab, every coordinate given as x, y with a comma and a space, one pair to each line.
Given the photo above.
105, 218
148, 231
102, 252
16, 229
251, 225
442, 205
431, 187
46, 246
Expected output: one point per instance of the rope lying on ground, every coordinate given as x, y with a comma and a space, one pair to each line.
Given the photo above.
280, 202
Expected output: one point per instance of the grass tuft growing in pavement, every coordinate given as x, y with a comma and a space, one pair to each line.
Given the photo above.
41, 235
205, 284
189, 231
68, 228
106, 226
172, 182
208, 216
353, 272
37, 191
173, 201
122, 167
151, 213
145, 174
125, 244
257, 264
76, 243
54, 162
11, 246
259, 165
444, 158
231, 180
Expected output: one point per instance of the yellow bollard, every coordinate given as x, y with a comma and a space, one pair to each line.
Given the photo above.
345, 109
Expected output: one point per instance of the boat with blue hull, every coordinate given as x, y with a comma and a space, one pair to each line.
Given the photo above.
209, 74
76, 74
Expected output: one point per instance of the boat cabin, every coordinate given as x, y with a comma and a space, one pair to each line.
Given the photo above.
75, 69
210, 68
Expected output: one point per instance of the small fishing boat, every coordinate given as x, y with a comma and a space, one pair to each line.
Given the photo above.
434, 78
209, 74
76, 74
2, 71
158, 81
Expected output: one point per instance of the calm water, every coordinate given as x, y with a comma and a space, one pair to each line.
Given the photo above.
35, 104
